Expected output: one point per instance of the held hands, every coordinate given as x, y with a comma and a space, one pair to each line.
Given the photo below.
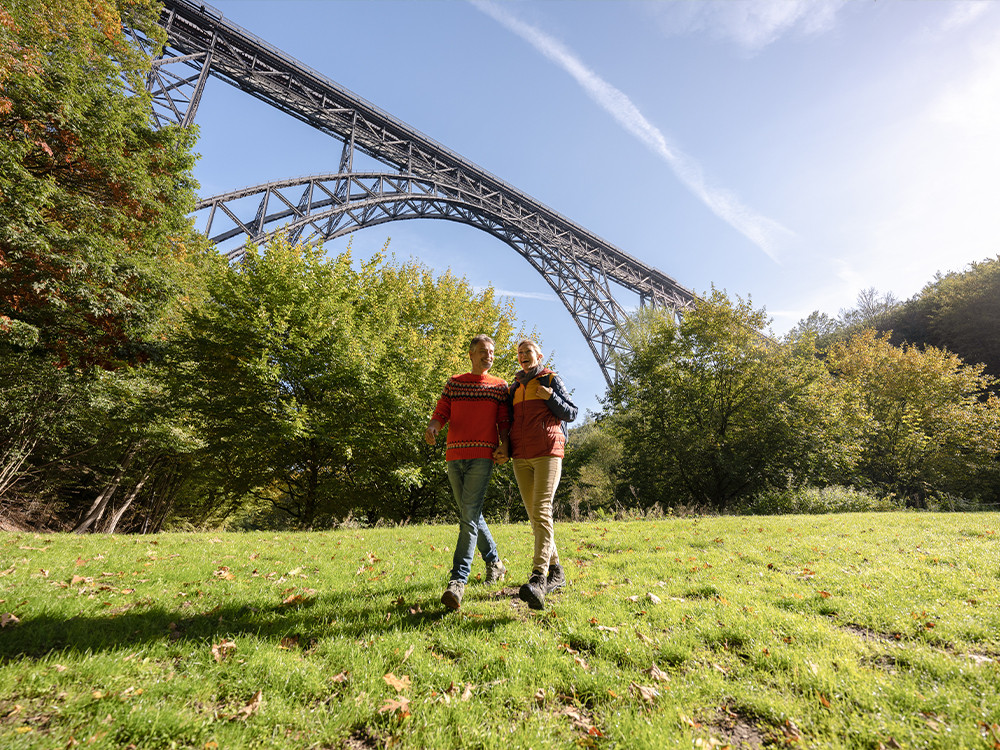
500, 454
430, 434
544, 392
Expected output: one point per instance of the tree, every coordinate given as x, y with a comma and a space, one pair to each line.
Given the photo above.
93, 199
959, 312
710, 410
312, 380
95, 247
925, 426
590, 469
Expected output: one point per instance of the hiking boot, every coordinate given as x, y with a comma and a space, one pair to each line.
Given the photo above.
452, 596
533, 592
495, 572
556, 578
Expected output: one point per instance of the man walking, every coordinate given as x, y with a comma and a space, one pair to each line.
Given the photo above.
476, 406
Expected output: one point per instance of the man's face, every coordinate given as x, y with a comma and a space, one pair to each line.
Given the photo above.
482, 358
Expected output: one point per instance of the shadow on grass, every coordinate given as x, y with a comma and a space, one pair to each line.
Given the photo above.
334, 615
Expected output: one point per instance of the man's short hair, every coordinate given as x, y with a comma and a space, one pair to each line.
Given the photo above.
480, 339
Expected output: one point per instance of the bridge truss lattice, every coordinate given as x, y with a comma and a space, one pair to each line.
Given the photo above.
423, 179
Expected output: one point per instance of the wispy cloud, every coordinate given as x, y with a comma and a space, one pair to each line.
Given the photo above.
752, 25
965, 13
765, 233
544, 296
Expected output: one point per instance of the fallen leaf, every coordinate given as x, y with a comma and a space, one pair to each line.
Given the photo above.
657, 674
221, 651
6, 572
652, 597
540, 696
689, 721
607, 629
400, 707
399, 683
823, 700
581, 662
8, 619
342, 677
250, 708
408, 652
791, 731
467, 693
647, 694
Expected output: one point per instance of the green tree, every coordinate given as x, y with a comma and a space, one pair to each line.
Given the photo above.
710, 410
590, 470
957, 311
312, 380
925, 426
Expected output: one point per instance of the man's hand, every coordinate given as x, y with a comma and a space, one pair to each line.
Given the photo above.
430, 434
500, 455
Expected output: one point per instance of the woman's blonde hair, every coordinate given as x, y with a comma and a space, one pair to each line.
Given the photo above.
533, 346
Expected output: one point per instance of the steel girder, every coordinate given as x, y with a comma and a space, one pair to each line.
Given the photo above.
427, 180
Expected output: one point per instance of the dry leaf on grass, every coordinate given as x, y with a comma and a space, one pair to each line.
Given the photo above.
657, 674
251, 707
399, 683
222, 651
647, 694
8, 619
399, 707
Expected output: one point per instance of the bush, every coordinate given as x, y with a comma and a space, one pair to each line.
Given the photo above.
817, 500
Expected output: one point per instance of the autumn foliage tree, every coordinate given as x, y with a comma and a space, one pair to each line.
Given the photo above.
95, 248
93, 199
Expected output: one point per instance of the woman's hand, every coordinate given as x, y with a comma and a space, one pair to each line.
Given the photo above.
544, 392
500, 455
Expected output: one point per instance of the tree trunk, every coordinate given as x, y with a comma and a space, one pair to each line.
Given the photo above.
100, 504
113, 523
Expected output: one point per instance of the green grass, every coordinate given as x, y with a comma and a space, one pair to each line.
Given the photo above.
853, 631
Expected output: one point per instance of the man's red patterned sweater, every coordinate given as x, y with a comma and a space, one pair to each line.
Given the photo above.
476, 406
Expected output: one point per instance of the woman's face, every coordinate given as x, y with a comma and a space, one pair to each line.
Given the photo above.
528, 357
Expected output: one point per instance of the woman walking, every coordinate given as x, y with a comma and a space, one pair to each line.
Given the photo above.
541, 406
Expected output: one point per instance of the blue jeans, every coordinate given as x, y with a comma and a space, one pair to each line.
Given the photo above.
469, 478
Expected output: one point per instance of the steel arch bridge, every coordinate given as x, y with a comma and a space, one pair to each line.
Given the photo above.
423, 179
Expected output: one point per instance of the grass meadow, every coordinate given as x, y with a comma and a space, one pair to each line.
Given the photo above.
837, 631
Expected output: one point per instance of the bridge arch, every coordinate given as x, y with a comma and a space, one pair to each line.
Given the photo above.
423, 179
326, 207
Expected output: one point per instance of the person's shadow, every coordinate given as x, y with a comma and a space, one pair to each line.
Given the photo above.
304, 620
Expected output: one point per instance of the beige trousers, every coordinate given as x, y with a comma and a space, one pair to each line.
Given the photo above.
537, 480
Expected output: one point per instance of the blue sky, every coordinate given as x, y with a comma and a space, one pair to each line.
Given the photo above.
792, 151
